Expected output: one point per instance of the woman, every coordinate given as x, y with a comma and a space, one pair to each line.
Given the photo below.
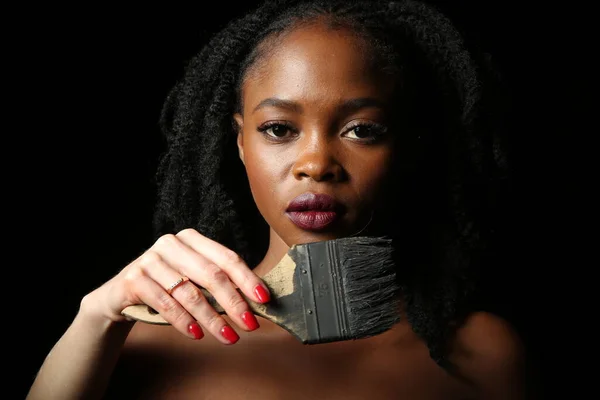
374, 109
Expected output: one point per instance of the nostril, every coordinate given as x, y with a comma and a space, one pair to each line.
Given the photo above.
328, 176
319, 177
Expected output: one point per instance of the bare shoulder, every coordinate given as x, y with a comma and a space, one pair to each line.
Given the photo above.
142, 360
489, 353
489, 339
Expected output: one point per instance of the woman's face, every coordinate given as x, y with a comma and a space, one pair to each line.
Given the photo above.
315, 135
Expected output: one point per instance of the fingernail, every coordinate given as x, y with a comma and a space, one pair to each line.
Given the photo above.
229, 334
262, 294
195, 330
250, 320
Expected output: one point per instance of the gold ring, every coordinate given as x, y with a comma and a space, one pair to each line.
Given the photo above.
179, 282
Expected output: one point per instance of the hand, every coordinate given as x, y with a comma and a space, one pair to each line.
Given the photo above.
207, 264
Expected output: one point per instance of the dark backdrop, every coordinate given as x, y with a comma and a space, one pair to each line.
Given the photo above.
90, 86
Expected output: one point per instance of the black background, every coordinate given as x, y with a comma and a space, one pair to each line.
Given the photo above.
83, 143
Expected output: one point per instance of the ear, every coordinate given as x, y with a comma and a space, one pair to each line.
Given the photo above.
239, 123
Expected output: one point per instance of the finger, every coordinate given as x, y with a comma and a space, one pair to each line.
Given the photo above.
205, 273
230, 262
152, 294
189, 296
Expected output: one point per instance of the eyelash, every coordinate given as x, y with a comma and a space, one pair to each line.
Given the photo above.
376, 130
269, 125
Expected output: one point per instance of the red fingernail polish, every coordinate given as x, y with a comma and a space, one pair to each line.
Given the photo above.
229, 334
195, 330
262, 294
250, 320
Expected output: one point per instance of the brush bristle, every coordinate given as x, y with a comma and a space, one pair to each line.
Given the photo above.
370, 286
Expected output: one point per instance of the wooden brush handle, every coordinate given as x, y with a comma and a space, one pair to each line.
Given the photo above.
279, 282
144, 313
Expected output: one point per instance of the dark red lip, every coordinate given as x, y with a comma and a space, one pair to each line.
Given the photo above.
313, 211
312, 202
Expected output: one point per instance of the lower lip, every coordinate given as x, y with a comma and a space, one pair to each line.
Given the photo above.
312, 220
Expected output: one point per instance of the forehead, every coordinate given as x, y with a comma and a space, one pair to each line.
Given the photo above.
315, 62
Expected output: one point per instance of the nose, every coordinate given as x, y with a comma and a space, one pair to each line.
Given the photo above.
316, 160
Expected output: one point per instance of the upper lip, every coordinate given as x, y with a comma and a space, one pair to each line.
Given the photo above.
313, 202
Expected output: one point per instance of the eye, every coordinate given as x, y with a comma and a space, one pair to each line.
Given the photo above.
365, 132
275, 130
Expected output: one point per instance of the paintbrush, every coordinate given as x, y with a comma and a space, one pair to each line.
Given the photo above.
326, 291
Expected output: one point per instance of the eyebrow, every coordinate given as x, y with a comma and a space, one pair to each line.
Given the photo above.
346, 107
279, 103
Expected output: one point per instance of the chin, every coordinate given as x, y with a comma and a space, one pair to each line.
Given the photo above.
310, 237
301, 236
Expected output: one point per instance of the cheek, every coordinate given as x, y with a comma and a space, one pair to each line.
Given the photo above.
263, 172
371, 181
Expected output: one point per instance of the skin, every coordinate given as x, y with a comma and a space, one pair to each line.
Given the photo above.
323, 154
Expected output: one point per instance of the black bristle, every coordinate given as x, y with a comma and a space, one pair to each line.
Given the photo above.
370, 286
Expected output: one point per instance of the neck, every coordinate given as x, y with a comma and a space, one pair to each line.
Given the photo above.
277, 249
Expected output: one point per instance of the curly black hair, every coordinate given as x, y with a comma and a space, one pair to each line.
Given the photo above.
454, 187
